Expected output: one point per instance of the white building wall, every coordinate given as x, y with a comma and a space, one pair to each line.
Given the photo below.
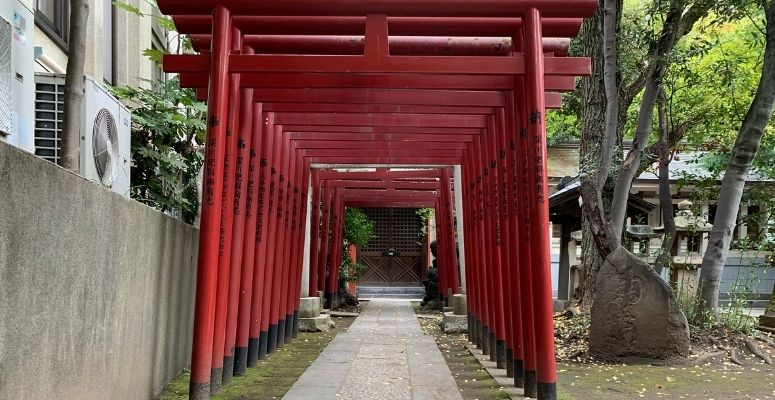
50, 49
132, 35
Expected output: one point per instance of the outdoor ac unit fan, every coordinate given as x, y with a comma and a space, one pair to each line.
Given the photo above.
105, 147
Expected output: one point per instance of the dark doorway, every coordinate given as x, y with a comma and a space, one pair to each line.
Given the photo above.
394, 257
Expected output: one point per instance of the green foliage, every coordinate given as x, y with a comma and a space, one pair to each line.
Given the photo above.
637, 34
350, 271
563, 125
426, 214
358, 228
166, 23
154, 55
168, 132
128, 8
713, 80
734, 316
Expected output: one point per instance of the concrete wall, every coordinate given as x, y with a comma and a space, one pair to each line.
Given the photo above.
96, 290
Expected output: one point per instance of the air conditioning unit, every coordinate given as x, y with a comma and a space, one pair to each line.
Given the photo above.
105, 131
17, 63
105, 139
49, 113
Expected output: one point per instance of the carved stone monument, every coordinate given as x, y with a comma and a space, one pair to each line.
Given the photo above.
635, 314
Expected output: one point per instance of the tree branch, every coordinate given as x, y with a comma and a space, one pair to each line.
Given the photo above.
610, 51
592, 203
676, 25
629, 92
675, 134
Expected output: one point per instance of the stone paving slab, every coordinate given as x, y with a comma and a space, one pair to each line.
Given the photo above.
435, 393
384, 355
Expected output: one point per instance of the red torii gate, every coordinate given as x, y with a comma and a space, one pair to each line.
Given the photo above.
503, 161
394, 193
321, 142
322, 184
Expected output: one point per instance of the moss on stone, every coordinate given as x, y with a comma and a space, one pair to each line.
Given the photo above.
595, 381
272, 377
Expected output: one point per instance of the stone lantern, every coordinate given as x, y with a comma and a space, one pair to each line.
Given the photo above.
691, 240
640, 239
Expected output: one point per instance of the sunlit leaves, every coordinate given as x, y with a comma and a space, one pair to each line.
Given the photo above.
715, 77
168, 131
128, 8
154, 55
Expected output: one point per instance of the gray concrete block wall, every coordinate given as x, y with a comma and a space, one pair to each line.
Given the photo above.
749, 276
96, 290
752, 272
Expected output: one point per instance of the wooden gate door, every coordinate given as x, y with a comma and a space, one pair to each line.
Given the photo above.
394, 256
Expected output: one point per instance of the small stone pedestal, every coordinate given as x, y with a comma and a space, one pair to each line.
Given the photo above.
456, 321
459, 304
767, 323
683, 278
310, 319
689, 245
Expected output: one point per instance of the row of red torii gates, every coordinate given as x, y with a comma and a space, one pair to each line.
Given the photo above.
296, 87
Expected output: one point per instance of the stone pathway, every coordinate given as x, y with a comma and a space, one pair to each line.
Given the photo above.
384, 355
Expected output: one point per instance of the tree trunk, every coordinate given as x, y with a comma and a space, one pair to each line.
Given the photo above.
593, 117
665, 198
592, 130
73, 95
733, 183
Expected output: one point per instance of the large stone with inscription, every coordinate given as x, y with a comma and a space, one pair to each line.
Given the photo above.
635, 314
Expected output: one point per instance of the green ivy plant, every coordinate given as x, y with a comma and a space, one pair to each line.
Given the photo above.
426, 214
168, 135
358, 230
